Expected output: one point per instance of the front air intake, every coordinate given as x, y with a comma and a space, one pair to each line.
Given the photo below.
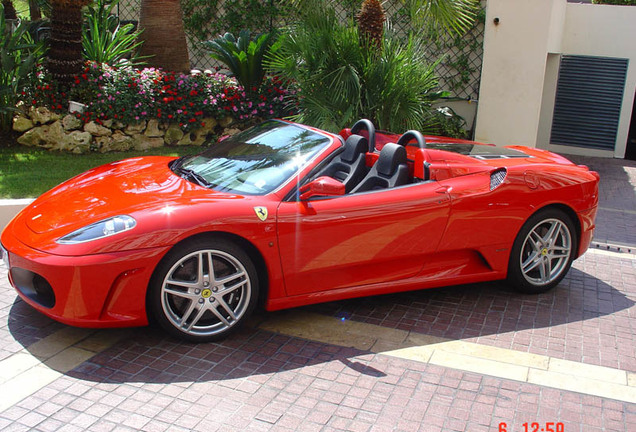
497, 177
33, 286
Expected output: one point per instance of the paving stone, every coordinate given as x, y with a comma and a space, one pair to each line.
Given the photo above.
260, 380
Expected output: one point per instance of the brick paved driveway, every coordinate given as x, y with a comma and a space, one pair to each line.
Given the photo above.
267, 377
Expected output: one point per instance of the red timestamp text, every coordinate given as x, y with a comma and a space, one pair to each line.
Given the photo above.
535, 427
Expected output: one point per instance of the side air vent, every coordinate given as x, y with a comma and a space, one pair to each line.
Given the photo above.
497, 177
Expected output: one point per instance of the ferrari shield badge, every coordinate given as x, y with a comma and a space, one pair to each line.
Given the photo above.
261, 212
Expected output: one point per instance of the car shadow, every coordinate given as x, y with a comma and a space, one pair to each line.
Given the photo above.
472, 312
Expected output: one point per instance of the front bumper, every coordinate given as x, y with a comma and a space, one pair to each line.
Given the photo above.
103, 290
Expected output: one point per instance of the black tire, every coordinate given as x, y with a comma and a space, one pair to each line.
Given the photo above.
194, 304
543, 252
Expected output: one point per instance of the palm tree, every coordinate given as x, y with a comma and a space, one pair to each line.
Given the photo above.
454, 15
371, 22
9, 10
65, 48
163, 35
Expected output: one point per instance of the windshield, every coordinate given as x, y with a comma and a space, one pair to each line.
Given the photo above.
255, 161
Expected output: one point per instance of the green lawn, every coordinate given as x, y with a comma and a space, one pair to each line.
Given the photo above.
28, 172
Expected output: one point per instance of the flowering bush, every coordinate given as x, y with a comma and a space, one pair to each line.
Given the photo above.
130, 96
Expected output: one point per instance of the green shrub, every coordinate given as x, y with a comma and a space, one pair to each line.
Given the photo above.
104, 39
18, 57
243, 56
340, 80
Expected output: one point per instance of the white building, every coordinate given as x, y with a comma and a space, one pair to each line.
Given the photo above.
559, 75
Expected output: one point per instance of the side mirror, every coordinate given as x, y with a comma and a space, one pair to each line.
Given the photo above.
322, 186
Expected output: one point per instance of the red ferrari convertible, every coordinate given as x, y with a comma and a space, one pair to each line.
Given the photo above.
288, 215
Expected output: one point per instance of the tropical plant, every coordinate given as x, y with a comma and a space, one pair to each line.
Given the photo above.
104, 39
340, 80
18, 56
164, 40
371, 22
454, 15
243, 56
449, 124
65, 43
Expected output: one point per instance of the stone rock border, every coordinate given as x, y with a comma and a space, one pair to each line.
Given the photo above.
45, 129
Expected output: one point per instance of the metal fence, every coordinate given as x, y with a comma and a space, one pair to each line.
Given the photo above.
459, 69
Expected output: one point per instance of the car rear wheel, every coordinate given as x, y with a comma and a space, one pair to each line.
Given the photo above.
542, 252
203, 290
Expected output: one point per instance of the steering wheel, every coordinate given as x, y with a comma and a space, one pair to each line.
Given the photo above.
365, 124
409, 135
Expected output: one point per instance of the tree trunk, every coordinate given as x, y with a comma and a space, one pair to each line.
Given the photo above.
65, 50
163, 35
34, 10
9, 10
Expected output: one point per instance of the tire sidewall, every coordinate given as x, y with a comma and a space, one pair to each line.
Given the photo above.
516, 278
154, 305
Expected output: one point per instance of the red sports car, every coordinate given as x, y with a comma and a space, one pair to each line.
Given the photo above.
288, 215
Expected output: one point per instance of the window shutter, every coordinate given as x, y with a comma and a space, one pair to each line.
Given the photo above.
588, 101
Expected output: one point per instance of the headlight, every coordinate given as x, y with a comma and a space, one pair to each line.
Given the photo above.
105, 228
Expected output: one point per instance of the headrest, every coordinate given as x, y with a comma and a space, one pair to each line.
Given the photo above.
391, 156
354, 146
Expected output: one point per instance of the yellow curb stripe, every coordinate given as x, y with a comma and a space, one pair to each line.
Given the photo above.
611, 254
58, 341
610, 209
16, 364
25, 384
466, 356
582, 385
478, 365
42, 362
598, 373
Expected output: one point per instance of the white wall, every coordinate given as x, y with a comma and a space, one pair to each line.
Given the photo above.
521, 63
515, 52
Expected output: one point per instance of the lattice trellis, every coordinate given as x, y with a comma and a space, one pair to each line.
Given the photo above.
459, 69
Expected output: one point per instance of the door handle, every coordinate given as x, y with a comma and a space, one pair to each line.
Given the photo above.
444, 189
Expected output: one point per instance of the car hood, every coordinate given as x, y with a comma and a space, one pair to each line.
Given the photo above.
127, 187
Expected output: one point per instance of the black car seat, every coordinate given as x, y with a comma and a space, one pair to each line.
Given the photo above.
349, 166
389, 171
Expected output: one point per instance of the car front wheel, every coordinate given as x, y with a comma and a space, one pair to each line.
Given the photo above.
203, 290
542, 252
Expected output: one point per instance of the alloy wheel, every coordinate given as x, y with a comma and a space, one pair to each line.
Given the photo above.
206, 292
546, 251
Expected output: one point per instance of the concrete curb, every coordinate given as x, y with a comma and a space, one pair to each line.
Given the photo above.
11, 207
